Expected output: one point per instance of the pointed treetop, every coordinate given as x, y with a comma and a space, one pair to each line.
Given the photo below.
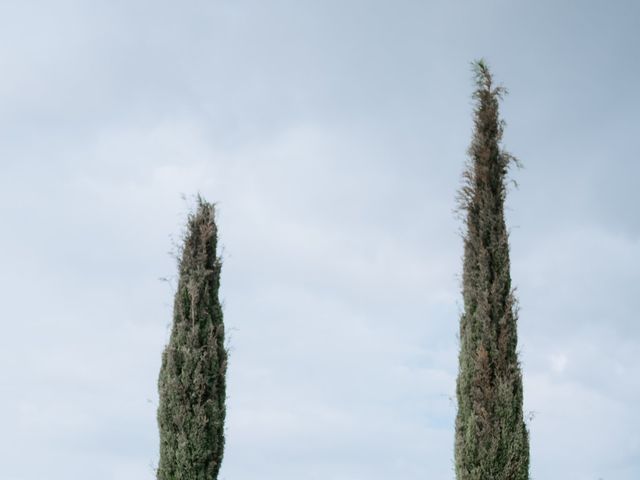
484, 79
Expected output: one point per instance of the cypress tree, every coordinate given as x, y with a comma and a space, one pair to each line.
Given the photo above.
491, 438
191, 383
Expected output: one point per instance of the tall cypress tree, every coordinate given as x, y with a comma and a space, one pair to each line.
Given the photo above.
192, 382
491, 440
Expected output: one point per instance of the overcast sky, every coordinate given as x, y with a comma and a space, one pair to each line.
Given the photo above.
332, 134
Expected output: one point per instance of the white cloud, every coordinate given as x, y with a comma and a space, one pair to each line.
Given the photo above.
332, 137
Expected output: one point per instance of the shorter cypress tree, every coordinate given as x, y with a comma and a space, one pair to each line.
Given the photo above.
192, 383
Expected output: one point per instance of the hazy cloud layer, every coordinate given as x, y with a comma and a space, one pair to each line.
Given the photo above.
332, 135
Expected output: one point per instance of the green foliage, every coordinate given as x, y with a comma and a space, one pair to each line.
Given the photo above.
491, 441
192, 382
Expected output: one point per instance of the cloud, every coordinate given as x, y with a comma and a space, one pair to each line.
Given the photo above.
332, 137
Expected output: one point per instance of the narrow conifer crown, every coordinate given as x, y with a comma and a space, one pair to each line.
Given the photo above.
192, 381
491, 437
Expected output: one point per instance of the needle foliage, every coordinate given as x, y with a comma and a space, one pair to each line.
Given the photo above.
491, 438
191, 383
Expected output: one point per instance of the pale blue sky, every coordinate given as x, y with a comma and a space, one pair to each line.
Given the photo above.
332, 134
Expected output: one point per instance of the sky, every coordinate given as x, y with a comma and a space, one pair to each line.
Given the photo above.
332, 135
